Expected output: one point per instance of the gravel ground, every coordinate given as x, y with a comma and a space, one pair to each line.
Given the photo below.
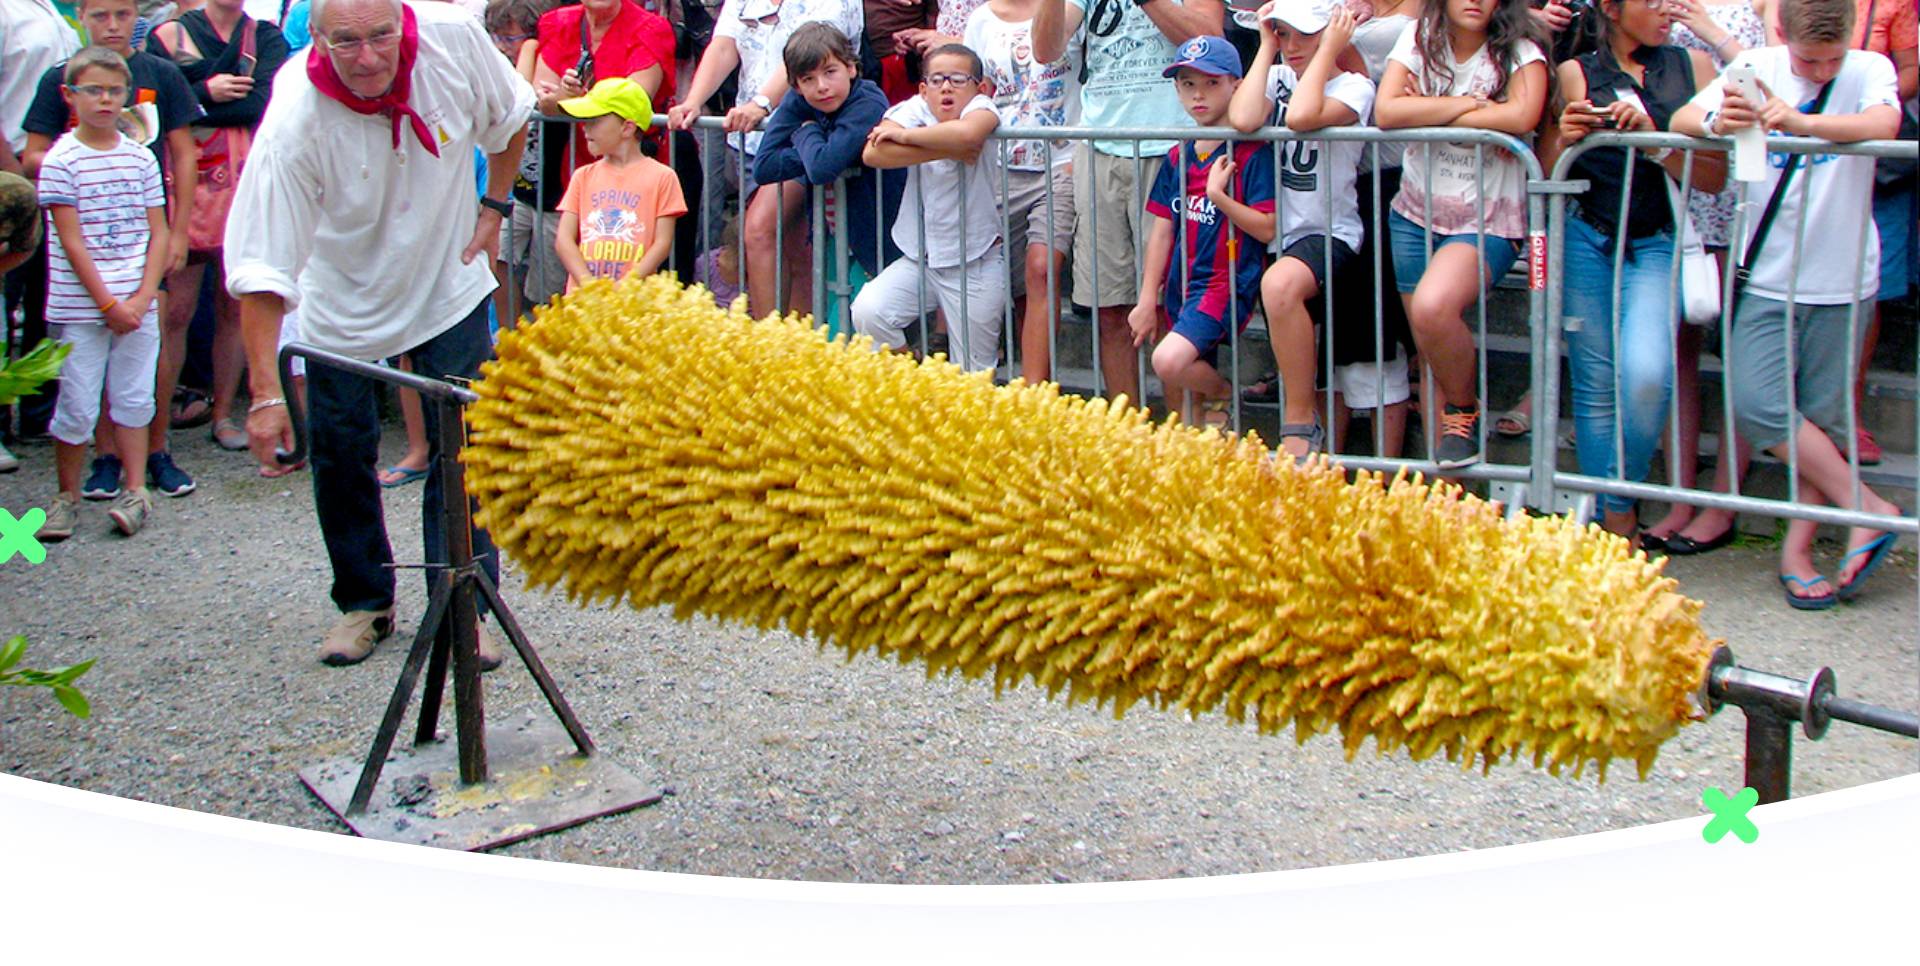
786, 761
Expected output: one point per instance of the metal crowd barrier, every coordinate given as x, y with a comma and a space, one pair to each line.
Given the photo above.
832, 288
1538, 483
1546, 402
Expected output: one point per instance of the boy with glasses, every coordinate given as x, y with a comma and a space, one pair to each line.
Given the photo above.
102, 193
949, 226
159, 107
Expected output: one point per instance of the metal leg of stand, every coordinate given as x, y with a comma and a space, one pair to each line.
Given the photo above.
435, 689
1769, 754
423, 640
463, 624
535, 666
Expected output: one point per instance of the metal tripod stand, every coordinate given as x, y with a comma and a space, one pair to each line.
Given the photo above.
449, 633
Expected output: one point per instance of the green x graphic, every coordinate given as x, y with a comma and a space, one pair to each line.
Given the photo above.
1730, 814
19, 536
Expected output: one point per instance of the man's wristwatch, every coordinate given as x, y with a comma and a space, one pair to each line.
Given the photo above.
762, 102
503, 208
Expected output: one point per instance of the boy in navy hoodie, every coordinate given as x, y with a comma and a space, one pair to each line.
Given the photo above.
815, 136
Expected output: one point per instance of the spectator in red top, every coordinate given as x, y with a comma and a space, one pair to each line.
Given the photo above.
614, 38
625, 41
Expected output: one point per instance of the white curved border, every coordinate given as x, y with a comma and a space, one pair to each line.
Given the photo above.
104, 878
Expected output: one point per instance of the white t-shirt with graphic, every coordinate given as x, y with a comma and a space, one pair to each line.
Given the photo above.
1309, 169
1838, 187
1457, 177
937, 183
1125, 55
1028, 93
760, 29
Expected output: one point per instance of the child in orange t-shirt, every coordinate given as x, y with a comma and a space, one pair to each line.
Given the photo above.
618, 213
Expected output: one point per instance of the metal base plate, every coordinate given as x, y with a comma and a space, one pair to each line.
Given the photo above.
539, 784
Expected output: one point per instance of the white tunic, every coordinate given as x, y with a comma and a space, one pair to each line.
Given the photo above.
33, 37
363, 237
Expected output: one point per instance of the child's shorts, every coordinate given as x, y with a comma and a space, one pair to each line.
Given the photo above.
1208, 333
123, 364
1027, 213
527, 241
1364, 385
1312, 252
1410, 252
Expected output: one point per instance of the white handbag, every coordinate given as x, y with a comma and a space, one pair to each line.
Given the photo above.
1699, 271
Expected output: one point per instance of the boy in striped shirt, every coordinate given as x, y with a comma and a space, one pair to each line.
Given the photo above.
107, 211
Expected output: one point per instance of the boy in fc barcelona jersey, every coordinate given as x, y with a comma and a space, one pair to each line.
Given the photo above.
1212, 217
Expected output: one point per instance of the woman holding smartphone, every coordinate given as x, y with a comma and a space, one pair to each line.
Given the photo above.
1621, 363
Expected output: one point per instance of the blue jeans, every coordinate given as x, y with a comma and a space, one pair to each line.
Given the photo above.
1639, 370
344, 434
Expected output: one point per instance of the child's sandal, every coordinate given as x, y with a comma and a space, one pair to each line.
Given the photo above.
1315, 436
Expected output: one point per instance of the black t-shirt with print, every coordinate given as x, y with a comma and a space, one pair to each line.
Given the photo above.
155, 80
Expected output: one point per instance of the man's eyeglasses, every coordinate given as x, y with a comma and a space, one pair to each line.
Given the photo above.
99, 92
349, 48
950, 80
510, 39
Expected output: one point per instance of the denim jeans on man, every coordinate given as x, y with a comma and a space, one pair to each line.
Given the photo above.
344, 421
1639, 370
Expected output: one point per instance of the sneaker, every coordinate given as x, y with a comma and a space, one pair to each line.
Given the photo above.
1870, 453
353, 636
63, 514
1459, 437
104, 482
8, 463
129, 513
166, 477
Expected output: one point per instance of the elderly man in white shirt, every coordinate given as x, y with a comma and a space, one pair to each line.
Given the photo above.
358, 206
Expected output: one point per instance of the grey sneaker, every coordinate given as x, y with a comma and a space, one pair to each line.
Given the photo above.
7, 461
1459, 437
63, 514
103, 483
130, 511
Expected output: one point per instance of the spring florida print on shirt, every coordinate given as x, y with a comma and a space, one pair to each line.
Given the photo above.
618, 208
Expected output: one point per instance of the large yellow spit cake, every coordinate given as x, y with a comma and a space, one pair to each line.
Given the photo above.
636, 442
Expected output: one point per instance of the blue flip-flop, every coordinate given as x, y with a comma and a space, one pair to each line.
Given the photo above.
406, 476
1877, 552
1815, 602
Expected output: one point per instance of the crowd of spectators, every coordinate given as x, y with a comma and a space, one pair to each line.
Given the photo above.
1169, 244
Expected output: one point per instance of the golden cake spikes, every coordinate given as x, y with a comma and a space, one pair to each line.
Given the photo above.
638, 443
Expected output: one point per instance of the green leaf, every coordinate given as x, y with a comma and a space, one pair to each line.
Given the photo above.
71, 699
67, 675
15, 649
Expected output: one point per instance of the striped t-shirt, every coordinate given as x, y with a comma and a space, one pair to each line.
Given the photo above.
111, 190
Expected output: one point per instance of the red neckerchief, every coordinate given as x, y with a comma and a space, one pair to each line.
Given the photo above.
394, 102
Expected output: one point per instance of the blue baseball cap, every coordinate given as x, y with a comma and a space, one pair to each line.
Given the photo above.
1208, 55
